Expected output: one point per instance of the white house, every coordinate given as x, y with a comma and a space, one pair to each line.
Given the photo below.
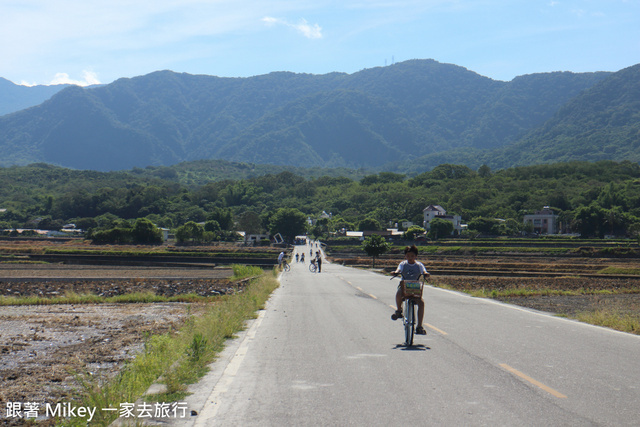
544, 221
253, 239
436, 211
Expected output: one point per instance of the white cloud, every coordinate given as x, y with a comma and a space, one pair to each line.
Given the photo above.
269, 20
120, 37
88, 78
310, 31
303, 27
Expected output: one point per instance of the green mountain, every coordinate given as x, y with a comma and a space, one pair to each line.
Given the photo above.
15, 97
602, 123
384, 117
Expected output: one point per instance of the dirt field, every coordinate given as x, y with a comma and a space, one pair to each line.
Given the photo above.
512, 272
42, 346
624, 302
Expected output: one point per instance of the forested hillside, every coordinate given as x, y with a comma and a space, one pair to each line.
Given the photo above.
592, 198
15, 97
603, 122
367, 119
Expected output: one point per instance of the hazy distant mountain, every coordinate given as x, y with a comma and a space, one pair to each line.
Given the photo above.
367, 119
15, 97
602, 123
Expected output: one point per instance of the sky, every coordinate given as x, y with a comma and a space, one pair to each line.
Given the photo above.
99, 41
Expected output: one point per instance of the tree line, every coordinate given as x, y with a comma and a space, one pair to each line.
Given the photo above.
591, 198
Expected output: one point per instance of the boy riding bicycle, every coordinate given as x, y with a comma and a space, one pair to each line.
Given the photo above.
410, 269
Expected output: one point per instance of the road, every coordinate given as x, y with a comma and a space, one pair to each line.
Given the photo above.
326, 352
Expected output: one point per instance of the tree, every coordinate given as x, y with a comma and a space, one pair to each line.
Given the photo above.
369, 224
223, 217
412, 232
484, 171
289, 222
191, 231
439, 227
485, 225
250, 222
448, 171
338, 223
321, 228
375, 245
116, 235
50, 224
589, 220
213, 226
145, 232
510, 227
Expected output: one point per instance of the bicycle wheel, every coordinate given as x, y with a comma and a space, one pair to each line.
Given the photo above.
409, 321
286, 266
312, 268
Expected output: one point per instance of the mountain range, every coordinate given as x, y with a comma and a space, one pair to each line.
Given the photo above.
409, 117
15, 97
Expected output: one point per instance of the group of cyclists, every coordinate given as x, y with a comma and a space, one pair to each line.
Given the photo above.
409, 269
315, 257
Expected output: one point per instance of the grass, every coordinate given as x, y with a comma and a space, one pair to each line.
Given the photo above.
524, 292
75, 298
612, 319
244, 271
620, 270
179, 357
23, 262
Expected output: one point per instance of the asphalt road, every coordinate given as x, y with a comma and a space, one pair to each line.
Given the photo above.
326, 352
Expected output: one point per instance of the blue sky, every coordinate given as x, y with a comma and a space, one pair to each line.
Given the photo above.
56, 41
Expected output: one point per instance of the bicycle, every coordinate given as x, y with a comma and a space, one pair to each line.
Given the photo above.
412, 290
285, 265
313, 267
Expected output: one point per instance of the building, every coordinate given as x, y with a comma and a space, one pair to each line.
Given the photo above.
254, 239
544, 221
432, 212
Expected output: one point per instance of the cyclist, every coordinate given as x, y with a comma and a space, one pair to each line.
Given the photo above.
410, 269
280, 258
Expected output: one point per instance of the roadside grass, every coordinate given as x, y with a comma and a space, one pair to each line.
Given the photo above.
179, 357
244, 271
525, 292
612, 318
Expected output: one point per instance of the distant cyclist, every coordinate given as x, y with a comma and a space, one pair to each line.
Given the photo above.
280, 258
410, 269
319, 261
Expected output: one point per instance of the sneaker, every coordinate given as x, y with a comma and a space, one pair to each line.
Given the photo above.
420, 331
397, 315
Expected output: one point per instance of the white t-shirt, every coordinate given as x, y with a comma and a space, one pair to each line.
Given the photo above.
411, 271
280, 257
